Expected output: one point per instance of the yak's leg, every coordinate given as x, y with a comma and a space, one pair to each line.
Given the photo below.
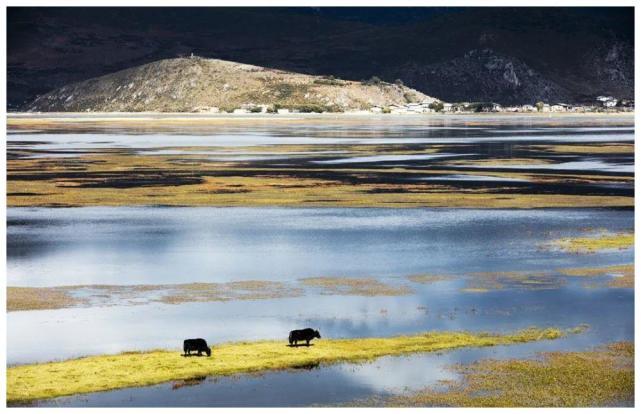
308, 342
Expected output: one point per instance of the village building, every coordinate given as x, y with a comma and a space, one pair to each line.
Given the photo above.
559, 107
607, 101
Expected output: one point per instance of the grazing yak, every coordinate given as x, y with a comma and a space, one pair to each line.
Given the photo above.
198, 344
302, 335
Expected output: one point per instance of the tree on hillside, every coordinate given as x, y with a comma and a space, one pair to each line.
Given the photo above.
436, 106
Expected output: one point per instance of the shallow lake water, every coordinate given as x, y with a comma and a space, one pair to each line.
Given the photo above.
153, 245
76, 332
145, 142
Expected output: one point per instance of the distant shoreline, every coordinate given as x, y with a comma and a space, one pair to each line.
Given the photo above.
293, 115
17, 121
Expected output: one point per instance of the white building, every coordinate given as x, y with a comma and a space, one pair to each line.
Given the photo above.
607, 101
558, 108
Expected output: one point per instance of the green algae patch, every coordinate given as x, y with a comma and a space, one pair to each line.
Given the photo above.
601, 377
603, 241
135, 369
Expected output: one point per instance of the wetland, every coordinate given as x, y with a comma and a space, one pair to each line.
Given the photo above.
127, 235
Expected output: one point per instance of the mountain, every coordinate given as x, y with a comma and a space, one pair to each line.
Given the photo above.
198, 84
506, 55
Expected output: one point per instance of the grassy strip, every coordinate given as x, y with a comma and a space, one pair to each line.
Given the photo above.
232, 191
134, 369
609, 148
601, 377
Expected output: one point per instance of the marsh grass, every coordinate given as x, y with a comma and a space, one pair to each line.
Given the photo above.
596, 243
619, 276
609, 148
602, 377
119, 177
56, 297
428, 279
355, 286
500, 162
134, 369
33, 298
482, 282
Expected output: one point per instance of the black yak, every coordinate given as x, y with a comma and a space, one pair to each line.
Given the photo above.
198, 344
302, 335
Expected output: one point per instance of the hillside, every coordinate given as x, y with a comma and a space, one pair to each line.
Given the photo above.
506, 55
197, 84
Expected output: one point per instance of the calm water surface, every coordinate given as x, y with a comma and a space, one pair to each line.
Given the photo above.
121, 245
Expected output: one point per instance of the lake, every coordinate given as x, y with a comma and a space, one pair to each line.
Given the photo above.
86, 244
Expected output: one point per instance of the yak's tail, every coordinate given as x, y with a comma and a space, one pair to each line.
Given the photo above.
291, 337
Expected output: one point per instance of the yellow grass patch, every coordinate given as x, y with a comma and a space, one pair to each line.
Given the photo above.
256, 191
585, 149
603, 241
622, 276
500, 162
601, 377
355, 286
485, 281
428, 279
29, 298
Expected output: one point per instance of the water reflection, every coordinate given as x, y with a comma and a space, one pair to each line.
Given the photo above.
82, 331
137, 245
